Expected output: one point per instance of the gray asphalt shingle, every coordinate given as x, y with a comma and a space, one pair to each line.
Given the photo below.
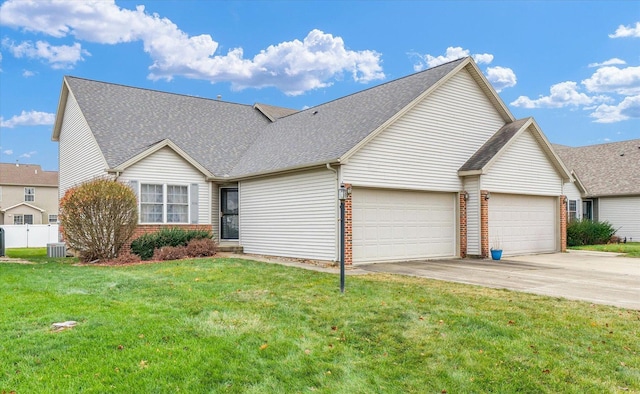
605, 169
238, 140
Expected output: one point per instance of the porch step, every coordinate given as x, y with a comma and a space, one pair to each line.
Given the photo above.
230, 248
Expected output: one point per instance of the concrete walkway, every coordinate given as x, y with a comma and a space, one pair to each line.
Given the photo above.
601, 278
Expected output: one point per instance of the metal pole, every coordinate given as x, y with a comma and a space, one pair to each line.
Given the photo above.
341, 246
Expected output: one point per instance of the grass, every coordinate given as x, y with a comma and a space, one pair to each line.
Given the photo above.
632, 249
230, 325
37, 255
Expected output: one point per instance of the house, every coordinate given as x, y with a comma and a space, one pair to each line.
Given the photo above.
28, 195
607, 186
437, 164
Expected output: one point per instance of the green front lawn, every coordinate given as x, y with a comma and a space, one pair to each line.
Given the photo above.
228, 325
632, 249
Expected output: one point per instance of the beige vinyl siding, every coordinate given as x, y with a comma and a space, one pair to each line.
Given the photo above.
472, 186
523, 169
80, 158
167, 167
623, 213
425, 148
291, 215
215, 210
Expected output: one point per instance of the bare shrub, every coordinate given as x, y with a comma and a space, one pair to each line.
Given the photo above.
170, 253
98, 217
125, 258
202, 247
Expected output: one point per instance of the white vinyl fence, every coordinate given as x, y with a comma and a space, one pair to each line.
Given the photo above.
29, 235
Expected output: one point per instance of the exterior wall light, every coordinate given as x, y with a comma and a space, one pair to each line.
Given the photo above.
487, 196
465, 195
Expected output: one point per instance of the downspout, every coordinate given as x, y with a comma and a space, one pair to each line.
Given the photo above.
337, 241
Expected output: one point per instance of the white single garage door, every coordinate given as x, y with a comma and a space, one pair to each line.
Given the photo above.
523, 224
391, 225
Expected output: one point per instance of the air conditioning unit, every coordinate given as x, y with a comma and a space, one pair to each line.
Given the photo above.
58, 249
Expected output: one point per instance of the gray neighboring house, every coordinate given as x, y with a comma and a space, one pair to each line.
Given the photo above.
438, 166
607, 186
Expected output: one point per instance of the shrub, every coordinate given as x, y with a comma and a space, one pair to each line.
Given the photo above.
170, 253
98, 217
587, 232
125, 258
201, 247
145, 245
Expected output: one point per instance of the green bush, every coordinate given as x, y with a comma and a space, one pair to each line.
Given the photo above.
587, 232
145, 245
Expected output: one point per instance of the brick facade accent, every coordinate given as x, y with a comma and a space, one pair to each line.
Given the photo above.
348, 230
563, 223
152, 228
484, 224
463, 224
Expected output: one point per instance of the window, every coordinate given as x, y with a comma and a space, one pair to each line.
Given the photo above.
151, 203
177, 204
164, 203
23, 219
29, 193
53, 219
572, 210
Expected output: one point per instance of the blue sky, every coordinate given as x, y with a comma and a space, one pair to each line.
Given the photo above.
574, 66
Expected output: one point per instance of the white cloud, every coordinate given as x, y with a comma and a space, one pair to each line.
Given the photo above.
8, 152
627, 31
292, 66
561, 95
501, 77
626, 109
452, 53
611, 62
27, 73
624, 81
28, 154
61, 56
31, 118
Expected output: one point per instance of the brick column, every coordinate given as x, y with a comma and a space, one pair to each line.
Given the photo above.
348, 230
484, 224
563, 223
463, 224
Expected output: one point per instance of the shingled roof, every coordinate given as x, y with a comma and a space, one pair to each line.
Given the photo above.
26, 175
605, 169
233, 140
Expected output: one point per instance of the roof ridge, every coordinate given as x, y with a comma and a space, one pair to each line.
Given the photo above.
156, 91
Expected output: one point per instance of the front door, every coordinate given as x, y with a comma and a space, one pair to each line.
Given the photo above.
229, 223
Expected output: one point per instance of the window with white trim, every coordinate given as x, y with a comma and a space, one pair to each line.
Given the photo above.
162, 203
53, 219
572, 210
22, 219
30, 194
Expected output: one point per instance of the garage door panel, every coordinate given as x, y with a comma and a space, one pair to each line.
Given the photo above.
401, 225
524, 224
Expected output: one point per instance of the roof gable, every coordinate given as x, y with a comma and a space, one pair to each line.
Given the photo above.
21, 204
495, 146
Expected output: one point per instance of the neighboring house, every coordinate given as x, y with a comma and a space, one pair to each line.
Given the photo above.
608, 184
438, 165
28, 195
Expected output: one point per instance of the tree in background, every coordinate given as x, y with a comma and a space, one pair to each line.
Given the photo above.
98, 217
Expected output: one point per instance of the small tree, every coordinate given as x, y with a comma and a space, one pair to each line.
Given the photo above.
98, 217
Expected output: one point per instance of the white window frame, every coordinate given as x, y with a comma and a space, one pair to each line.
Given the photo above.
55, 217
574, 211
165, 203
0, 193
22, 219
31, 193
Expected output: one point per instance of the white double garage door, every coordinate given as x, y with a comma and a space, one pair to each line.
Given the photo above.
394, 225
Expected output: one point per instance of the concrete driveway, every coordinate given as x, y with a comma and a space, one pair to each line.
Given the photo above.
596, 277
